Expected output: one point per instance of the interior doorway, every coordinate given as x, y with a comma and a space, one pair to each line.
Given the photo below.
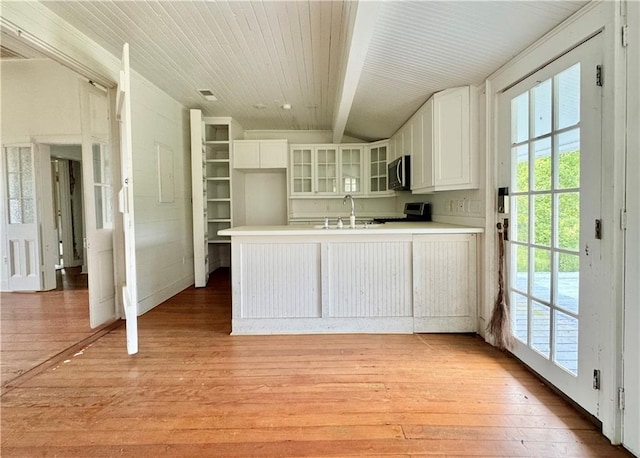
66, 169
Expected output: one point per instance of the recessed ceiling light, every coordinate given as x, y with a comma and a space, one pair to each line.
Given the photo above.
286, 106
207, 94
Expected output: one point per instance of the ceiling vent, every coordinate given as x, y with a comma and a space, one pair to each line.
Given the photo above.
207, 94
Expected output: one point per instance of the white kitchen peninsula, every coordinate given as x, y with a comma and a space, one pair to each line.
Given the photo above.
387, 278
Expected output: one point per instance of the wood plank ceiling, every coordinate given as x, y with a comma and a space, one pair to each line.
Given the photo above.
255, 56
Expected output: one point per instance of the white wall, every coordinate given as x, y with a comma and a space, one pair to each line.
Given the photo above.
40, 99
298, 136
164, 242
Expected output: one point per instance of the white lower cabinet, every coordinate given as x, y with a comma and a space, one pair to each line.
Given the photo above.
399, 283
444, 283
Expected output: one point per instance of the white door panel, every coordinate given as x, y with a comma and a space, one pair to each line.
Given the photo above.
129, 290
550, 129
98, 204
30, 238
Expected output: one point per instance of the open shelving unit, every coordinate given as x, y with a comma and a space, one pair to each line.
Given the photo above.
211, 153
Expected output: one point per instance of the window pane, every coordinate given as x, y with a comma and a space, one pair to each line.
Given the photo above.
565, 352
15, 211
568, 221
541, 95
108, 207
97, 163
520, 267
28, 211
568, 97
26, 163
520, 118
26, 187
519, 316
374, 154
540, 328
568, 148
542, 164
542, 219
521, 210
14, 186
99, 209
541, 275
568, 282
520, 174
106, 166
13, 159
383, 153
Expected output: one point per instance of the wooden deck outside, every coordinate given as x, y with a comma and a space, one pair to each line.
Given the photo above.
194, 390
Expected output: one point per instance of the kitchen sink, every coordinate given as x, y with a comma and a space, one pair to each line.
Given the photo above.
359, 225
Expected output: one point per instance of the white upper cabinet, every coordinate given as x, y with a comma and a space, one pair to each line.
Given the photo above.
447, 161
260, 154
326, 170
378, 168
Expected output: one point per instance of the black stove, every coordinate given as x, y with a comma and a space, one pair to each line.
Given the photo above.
414, 211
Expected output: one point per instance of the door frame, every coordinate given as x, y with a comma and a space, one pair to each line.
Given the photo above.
597, 17
97, 73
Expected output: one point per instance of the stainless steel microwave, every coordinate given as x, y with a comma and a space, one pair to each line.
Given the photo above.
400, 174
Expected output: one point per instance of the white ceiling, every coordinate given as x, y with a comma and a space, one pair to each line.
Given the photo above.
270, 53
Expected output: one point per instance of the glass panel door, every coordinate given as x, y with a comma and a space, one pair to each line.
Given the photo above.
550, 129
545, 149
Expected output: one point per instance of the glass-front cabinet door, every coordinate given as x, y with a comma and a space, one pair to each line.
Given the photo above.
302, 170
378, 168
326, 170
351, 170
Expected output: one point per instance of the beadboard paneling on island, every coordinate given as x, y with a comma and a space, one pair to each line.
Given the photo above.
280, 280
375, 279
447, 302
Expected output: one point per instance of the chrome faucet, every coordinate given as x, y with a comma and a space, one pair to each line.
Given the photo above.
352, 217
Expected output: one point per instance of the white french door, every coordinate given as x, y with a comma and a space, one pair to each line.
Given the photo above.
551, 152
125, 196
98, 204
30, 240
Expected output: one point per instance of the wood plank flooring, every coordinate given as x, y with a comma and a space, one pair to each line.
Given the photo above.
195, 391
37, 326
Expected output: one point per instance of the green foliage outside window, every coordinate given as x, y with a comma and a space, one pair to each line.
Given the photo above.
568, 231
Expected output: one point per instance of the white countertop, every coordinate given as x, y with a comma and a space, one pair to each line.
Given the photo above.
387, 228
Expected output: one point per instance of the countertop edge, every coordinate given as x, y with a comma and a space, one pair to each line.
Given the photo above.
388, 228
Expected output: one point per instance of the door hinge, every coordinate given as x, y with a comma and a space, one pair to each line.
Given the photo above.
599, 79
620, 398
625, 35
598, 229
623, 220
596, 379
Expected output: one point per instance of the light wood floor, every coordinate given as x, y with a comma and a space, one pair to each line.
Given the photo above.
38, 326
195, 391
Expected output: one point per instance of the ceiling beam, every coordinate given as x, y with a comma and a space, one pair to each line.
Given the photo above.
361, 34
